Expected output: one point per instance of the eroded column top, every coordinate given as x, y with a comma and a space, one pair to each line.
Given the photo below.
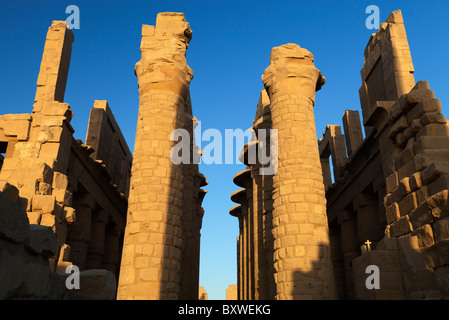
292, 71
163, 64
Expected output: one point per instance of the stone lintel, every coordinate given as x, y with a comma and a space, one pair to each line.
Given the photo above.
243, 178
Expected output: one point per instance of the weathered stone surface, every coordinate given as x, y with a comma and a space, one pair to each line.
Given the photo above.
393, 183
9, 190
161, 244
24, 251
300, 230
46, 172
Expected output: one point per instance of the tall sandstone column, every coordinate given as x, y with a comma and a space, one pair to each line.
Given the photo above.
302, 259
152, 253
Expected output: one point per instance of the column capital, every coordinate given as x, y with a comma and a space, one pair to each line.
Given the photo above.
292, 71
163, 64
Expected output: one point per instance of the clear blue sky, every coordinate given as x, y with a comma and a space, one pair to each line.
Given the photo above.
229, 51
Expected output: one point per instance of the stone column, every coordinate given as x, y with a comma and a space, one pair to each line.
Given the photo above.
54, 70
236, 211
302, 256
152, 256
79, 236
353, 130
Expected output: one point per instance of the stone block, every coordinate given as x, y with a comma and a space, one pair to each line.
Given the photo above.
430, 142
61, 267
420, 281
404, 157
407, 170
421, 216
412, 258
422, 194
41, 283
418, 94
69, 215
42, 241
435, 170
423, 160
44, 188
391, 286
435, 117
392, 182
44, 203
401, 139
14, 223
427, 105
439, 204
63, 197
392, 213
44, 173
16, 125
34, 217
9, 190
398, 126
404, 187
60, 181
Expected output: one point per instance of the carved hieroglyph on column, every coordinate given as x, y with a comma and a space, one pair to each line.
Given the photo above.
153, 245
303, 266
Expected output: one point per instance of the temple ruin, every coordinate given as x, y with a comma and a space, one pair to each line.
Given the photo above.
372, 194
386, 199
162, 239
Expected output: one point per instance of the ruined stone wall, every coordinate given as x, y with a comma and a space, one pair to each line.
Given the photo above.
390, 189
57, 183
110, 147
38, 145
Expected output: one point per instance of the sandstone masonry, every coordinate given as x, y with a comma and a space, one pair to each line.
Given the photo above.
161, 247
